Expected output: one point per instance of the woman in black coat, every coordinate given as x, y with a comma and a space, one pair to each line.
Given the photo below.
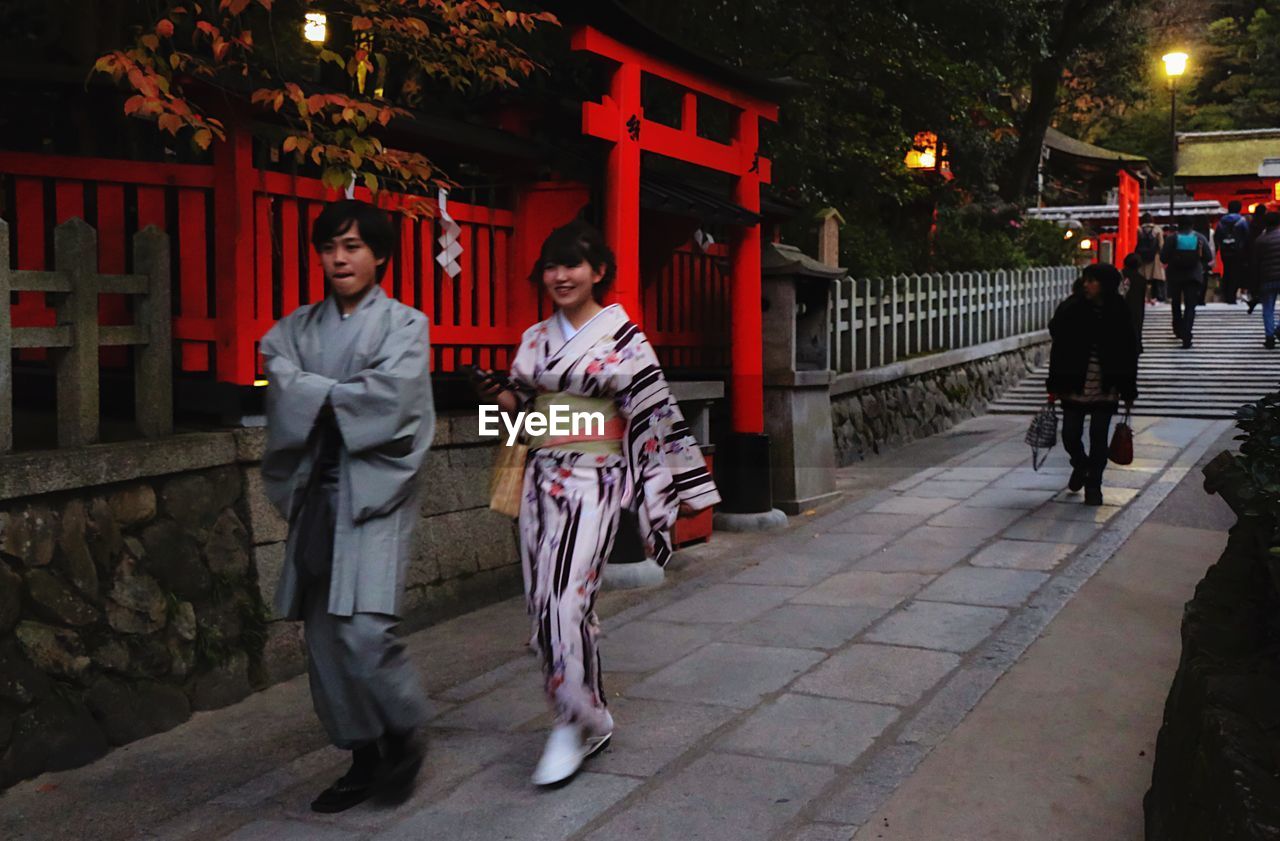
1093, 365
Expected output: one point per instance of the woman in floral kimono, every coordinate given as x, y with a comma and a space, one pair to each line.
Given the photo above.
590, 358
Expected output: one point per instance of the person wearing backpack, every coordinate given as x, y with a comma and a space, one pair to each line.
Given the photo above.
1150, 241
1266, 273
1231, 238
1186, 254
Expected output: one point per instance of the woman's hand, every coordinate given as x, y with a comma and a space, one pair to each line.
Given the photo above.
687, 510
488, 386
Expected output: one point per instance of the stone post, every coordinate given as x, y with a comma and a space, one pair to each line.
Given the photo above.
153, 361
75, 256
829, 222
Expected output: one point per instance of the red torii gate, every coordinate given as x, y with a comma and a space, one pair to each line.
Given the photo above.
619, 119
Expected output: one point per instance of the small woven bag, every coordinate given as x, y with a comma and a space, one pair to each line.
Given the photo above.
1042, 434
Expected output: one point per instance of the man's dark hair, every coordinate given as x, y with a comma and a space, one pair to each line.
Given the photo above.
375, 228
572, 245
1132, 261
1147, 218
1234, 206
1272, 219
1184, 224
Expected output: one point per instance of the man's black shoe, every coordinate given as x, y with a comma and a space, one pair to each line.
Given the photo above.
1269, 343
1252, 304
402, 760
1076, 482
1186, 343
1093, 496
350, 790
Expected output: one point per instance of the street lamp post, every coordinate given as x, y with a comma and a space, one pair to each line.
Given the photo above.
1175, 64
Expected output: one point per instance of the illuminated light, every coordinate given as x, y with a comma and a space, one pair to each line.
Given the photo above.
1253, 208
1175, 64
1086, 244
316, 27
260, 383
1069, 234
924, 152
1276, 190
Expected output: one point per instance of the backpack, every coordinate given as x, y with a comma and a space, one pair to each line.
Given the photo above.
1148, 246
1231, 239
1186, 254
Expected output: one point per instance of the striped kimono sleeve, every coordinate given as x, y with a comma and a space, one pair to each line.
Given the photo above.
665, 464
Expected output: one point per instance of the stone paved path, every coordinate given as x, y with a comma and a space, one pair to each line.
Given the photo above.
780, 689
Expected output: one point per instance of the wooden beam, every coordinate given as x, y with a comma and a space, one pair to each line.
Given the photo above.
28, 281
42, 337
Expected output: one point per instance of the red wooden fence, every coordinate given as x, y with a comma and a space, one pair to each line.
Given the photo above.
476, 317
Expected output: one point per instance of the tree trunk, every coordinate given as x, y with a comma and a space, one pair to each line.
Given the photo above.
1045, 79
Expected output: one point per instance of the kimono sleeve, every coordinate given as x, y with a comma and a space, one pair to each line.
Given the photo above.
521, 381
294, 396
383, 406
665, 466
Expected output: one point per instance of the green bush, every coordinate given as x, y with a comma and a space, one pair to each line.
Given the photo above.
1260, 459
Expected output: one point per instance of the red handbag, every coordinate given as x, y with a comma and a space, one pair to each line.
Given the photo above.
1121, 450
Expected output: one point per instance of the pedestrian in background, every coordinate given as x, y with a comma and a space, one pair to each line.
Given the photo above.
1231, 238
1133, 288
349, 421
1186, 256
1257, 224
1266, 273
1150, 241
1093, 365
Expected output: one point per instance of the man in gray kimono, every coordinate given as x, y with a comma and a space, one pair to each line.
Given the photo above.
349, 421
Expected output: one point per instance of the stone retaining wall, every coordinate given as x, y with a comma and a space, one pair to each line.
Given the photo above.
1217, 764
886, 415
126, 606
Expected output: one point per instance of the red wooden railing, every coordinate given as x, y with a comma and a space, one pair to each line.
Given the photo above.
470, 314
222, 305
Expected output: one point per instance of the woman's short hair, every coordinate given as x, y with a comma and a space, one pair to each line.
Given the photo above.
374, 226
1106, 274
1272, 218
572, 245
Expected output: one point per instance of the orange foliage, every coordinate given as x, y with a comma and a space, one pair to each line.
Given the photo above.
460, 42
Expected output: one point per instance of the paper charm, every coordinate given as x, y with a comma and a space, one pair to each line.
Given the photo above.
450, 248
703, 239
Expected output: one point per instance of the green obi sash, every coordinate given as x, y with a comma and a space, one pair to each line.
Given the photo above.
589, 438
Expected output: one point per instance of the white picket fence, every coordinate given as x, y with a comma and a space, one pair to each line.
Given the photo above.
880, 321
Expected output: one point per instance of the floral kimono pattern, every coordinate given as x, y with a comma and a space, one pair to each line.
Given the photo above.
572, 499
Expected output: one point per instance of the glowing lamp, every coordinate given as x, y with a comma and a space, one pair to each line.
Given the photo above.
924, 151
1175, 64
315, 27
1086, 244
1276, 190
1069, 234
260, 383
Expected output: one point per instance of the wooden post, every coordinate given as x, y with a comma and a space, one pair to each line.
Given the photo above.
233, 258
747, 403
75, 255
6, 345
153, 362
622, 190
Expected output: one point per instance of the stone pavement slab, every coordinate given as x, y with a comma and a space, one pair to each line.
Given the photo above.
646, 645
948, 489
790, 570
926, 549
278, 830
944, 627
720, 797
989, 587
807, 626
878, 523
499, 802
728, 674
989, 521
809, 729
1052, 531
650, 735
1070, 507
1022, 554
504, 708
878, 674
1009, 498
878, 589
914, 505
726, 604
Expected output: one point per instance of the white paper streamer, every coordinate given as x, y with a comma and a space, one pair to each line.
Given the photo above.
450, 248
703, 239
